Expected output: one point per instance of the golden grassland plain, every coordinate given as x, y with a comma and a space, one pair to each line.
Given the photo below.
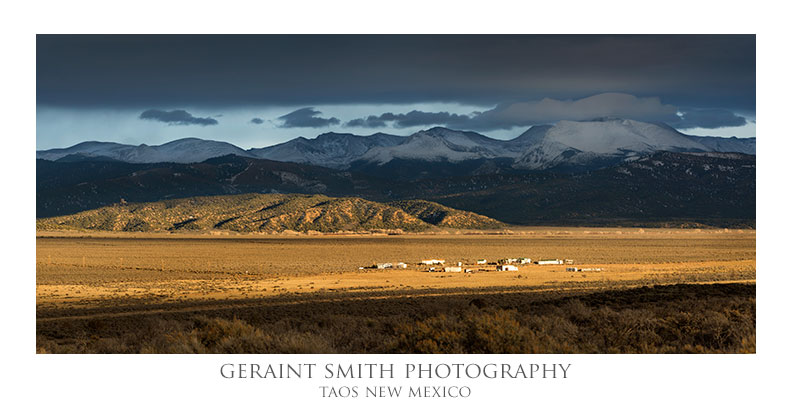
123, 292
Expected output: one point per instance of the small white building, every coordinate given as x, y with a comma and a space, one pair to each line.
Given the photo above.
525, 260
549, 262
401, 265
481, 262
569, 261
433, 261
386, 265
506, 268
452, 269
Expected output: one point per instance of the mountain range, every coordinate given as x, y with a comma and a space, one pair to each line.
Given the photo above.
566, 145
600, 172
188, 150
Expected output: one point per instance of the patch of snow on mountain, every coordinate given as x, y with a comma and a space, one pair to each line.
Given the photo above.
616, 136
439, 144
334, 150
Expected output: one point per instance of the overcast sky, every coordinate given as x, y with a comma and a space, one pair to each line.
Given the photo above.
255, 91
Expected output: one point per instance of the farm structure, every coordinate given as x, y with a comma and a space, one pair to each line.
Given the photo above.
575, 269
549, 262
386, 265
508, 261
506, 268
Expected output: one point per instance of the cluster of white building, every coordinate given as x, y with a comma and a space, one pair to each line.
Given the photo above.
509, 261
523, 261
506, 264
386, 265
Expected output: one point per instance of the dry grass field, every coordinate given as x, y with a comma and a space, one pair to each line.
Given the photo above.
123, 292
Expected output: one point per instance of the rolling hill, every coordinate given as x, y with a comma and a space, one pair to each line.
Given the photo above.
269, 213
442, 216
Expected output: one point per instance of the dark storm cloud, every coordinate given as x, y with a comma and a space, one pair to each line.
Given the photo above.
419, 118
547, 110
522, 114
708, 119
176, 117
705, 71
257, 121
306, 118
371, 121
410, 119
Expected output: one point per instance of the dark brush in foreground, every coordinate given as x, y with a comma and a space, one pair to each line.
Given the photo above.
685, 318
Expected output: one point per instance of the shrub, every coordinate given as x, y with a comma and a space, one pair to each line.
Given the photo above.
218, 335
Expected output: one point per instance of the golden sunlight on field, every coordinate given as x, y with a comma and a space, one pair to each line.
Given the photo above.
81, 271
106, 276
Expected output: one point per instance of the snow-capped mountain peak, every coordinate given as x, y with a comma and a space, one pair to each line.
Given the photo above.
604, 141
613, 136
336, 150
439, 144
